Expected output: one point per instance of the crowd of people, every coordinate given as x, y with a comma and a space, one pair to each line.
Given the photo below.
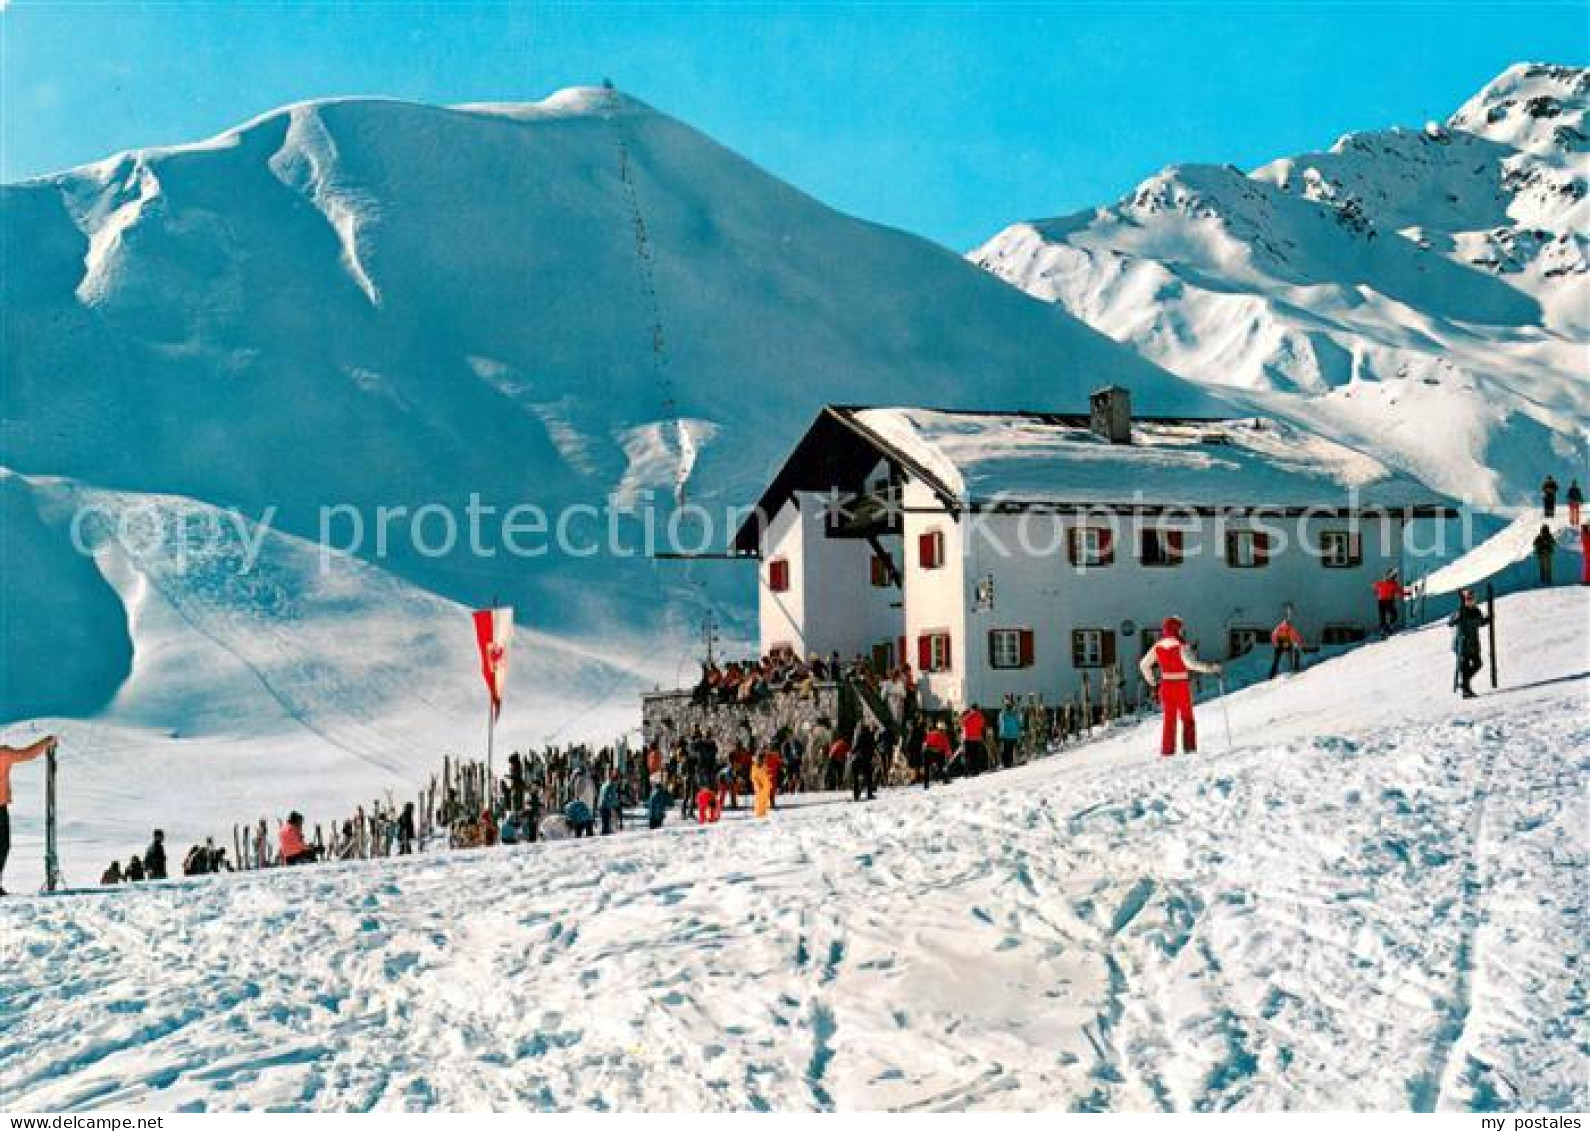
744, 682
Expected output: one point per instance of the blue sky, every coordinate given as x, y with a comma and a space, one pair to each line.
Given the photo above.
946, 120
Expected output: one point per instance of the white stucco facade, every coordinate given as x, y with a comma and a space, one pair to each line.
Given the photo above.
830, 604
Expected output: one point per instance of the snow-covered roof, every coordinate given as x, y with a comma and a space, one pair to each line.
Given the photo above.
973, 458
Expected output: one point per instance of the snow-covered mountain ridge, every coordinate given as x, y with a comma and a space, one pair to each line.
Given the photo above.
374, 303
1421, 293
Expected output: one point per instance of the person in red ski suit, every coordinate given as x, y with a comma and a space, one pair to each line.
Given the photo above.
1176, 662
1388, 591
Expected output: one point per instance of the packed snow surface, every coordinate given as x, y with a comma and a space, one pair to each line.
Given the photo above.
992, 456
1373, 897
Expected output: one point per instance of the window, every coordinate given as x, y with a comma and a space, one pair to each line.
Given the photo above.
930, 549
1090, 546
1340, 549
882, 657
778, 575
1010, 648
933, 652
1241, 641
882, 571
1343, 634
1161, 548
1247, 549
1092, 648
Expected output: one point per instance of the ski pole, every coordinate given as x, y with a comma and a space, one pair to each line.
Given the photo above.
1225, 709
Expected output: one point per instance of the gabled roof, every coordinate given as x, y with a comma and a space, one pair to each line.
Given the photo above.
1032, 460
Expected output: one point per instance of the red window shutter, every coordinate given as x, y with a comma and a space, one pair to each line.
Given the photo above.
1026, 648
900, 653
924, 653
1106, 547
778, 575
948, 652
1261, 548
1107, 647
1073, 544
928, 549
1173, 545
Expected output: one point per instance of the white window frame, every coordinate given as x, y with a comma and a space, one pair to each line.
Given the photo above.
1092, 650
1090, 547
1258, 637
1352, 634
1004, 648
1336, 549
1246, 543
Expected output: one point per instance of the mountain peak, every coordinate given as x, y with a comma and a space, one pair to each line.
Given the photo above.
1536, 107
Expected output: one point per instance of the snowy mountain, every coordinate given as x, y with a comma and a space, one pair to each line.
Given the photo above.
1372, 897
372, 303
1424, 293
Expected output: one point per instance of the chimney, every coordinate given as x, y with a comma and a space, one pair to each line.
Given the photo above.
1110, 414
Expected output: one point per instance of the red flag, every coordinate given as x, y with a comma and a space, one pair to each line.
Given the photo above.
493, 629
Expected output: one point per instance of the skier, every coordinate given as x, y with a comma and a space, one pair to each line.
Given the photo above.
1009, 732
657, 805
761, 786
578, 814
111, 875
775, 764
1286, 643
864, 763
155, 857
10, 756
532, 816
1466, 624
935, 756
218, 861
1548, 497
708, 807
405, 825
134, 871
790, 758
1176, 660
512, 830
1545, 548
1387, 591
1575, 502
610, 804
515, 781
291, 841
974, 726
838, 759
196, 862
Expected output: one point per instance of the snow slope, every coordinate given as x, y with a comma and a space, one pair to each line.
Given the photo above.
373, 303
1376, 899
1423, 294
1508, 558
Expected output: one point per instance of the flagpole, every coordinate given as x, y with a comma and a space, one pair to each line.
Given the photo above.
491, 734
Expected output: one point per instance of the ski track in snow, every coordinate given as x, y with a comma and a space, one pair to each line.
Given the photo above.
1381, 906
